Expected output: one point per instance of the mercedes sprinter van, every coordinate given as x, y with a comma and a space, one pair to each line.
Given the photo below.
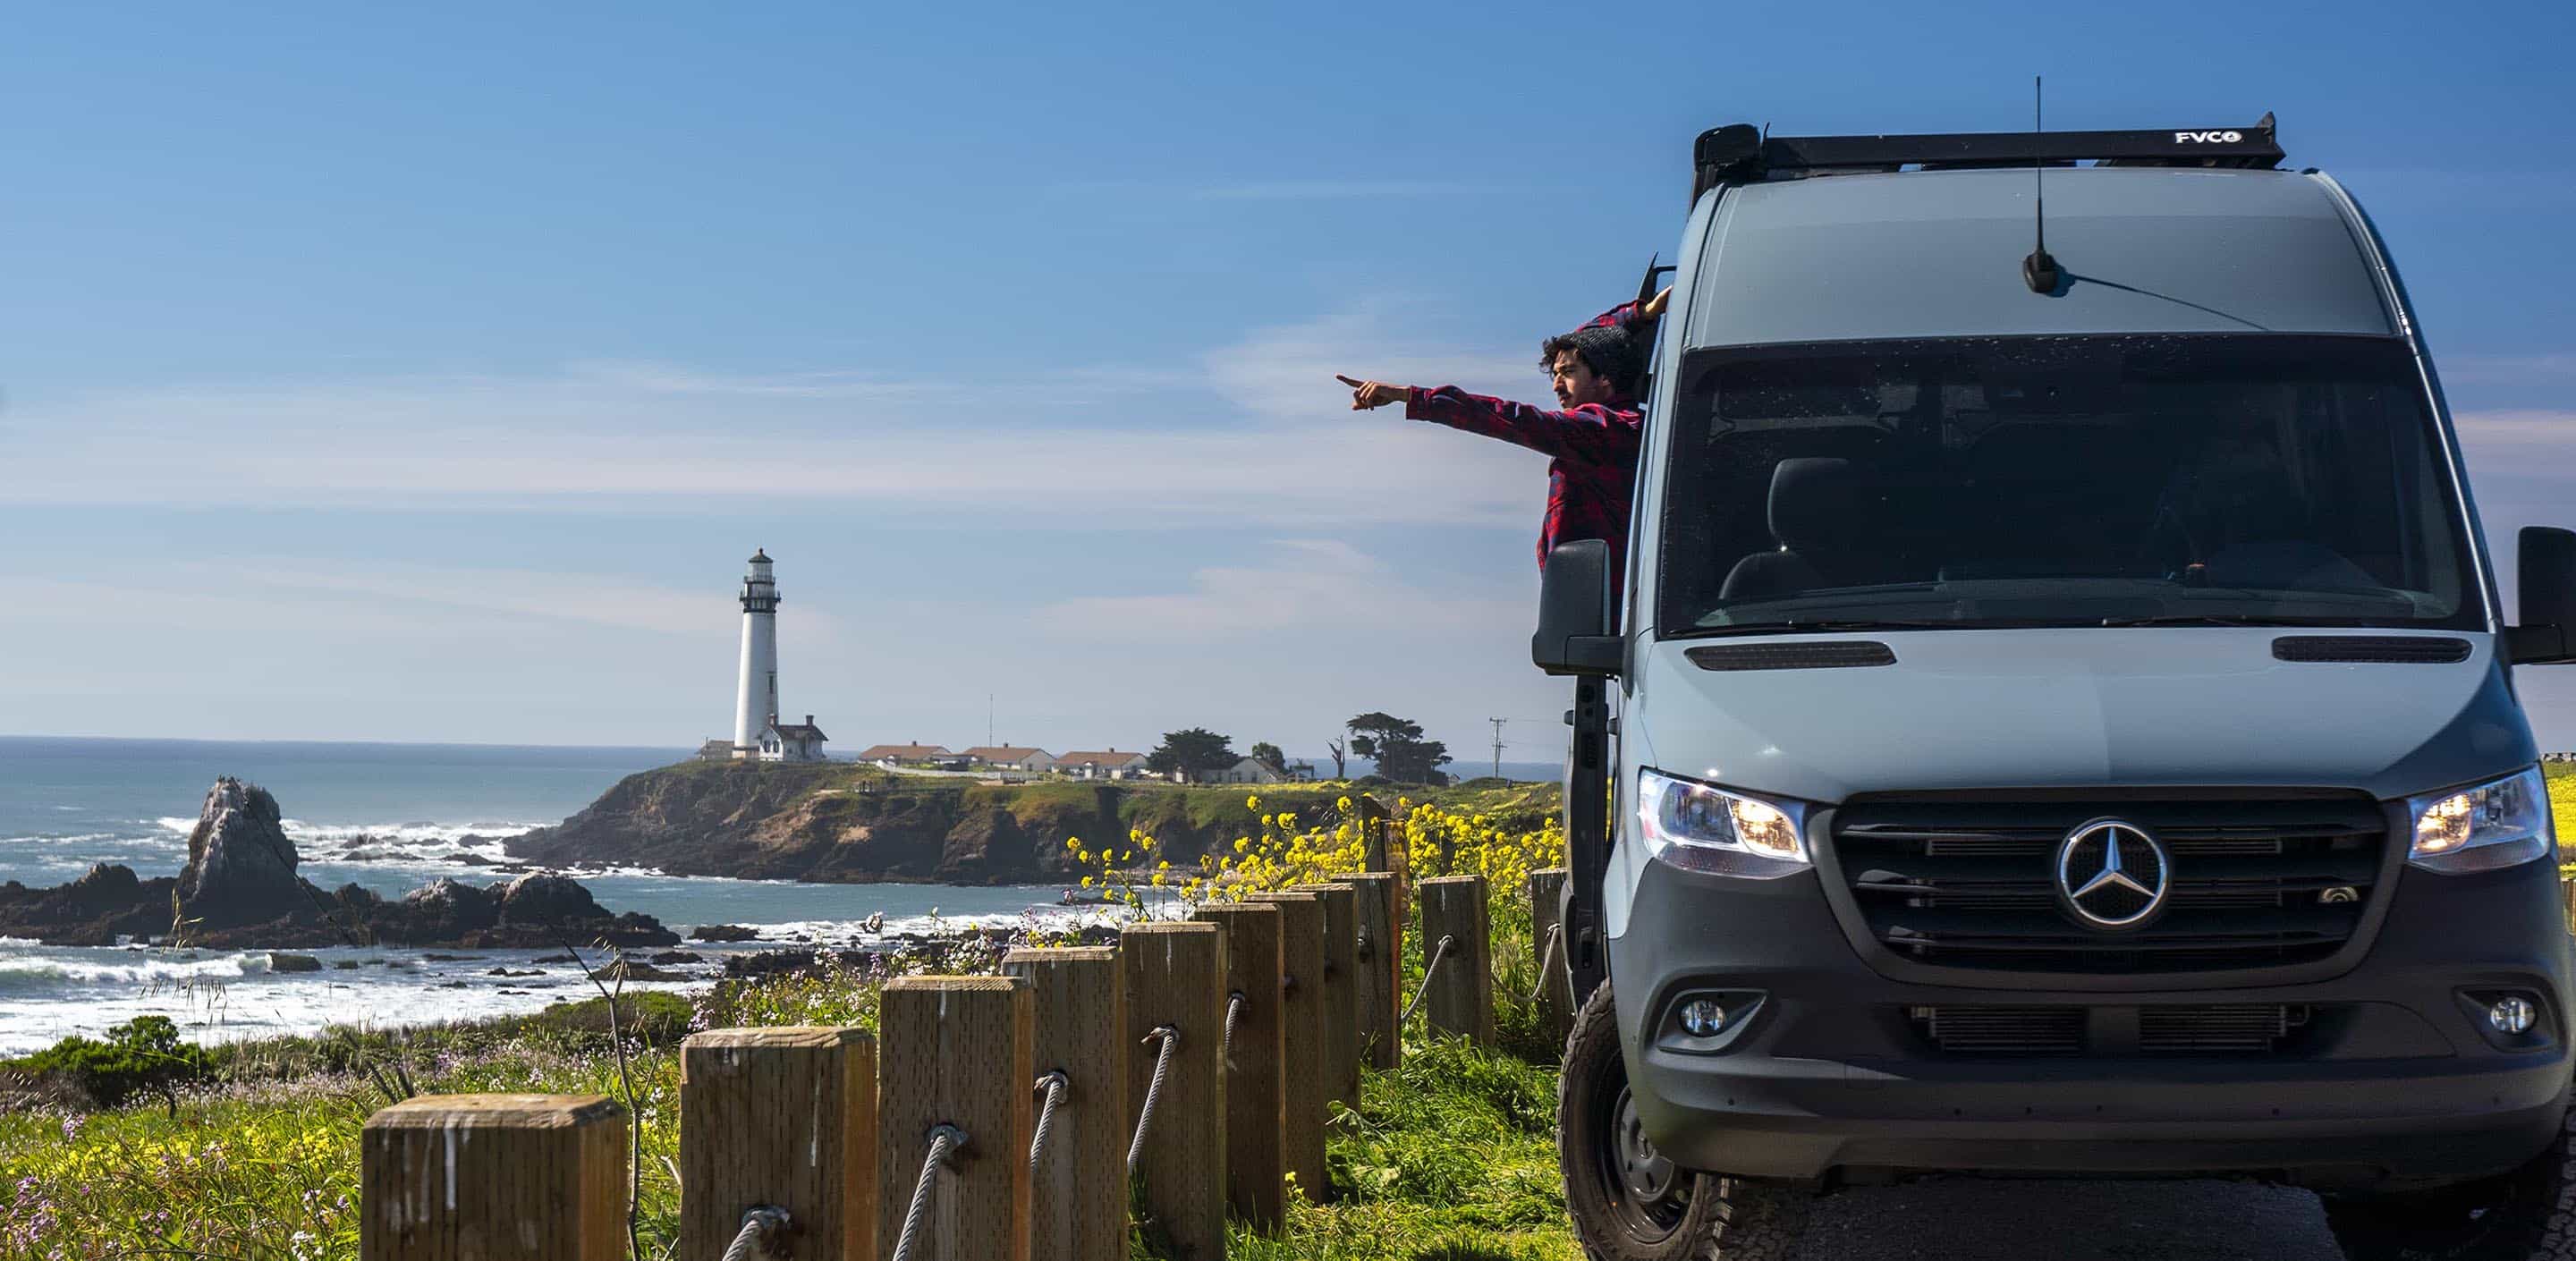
2058, 718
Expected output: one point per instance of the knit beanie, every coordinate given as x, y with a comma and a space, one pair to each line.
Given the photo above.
1612, 353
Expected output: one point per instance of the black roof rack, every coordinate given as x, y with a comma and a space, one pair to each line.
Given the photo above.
1742, 154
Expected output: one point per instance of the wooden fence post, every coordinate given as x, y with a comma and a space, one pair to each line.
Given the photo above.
1076, 1211
1341, 1008
1175, 976
1256, 1154
1304, 1101
494, 1177
954, 1051
1547, 948
1461, 998
783, 1117
1389, 852
1377, 958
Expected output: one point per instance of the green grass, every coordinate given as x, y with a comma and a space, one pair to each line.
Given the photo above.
263, 1162
1450, 1158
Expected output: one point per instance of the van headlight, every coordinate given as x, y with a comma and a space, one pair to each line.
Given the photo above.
1706, 828
2493, 825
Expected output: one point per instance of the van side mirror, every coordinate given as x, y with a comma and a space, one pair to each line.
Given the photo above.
1577, 631
2547, 635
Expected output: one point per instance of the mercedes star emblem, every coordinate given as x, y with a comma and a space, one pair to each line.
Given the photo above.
2112, 874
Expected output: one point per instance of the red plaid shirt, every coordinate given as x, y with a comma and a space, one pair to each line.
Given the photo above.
1592, 450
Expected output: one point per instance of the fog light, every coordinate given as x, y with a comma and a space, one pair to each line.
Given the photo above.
1703, 1017
2512, 1014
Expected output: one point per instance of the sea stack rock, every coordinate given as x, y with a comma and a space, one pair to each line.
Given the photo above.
241, 867
448, 908
540, 899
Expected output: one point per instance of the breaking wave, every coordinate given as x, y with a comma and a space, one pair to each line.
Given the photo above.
25, 974
392, 844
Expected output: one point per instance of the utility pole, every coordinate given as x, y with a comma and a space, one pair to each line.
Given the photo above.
1498, 745
988, 720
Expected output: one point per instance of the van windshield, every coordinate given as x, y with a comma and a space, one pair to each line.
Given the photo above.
2132, 480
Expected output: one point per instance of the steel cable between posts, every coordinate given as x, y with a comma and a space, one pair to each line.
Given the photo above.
1546, 960
1171, 1037
943, 1140
1233, 1012
1438, 953
1053, 1084
762, 1224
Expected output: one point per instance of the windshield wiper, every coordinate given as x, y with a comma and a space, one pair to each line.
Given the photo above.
2193, 619
1802, 626
2201, 619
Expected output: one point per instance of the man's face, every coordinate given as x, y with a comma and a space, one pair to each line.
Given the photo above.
1576, 384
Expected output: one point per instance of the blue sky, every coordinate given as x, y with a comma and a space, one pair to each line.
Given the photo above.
427, 373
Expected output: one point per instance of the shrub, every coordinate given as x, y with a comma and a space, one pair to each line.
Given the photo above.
142, 1055
654, 1017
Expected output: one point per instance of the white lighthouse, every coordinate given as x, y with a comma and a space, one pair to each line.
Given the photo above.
756, 700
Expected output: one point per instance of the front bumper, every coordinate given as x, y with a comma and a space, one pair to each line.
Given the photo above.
1827, 1078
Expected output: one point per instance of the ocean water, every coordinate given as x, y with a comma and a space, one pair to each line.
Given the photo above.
390, 817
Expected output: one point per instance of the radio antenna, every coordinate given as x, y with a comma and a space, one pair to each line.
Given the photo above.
2039, 271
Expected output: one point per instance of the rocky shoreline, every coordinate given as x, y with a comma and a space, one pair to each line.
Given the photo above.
240, 890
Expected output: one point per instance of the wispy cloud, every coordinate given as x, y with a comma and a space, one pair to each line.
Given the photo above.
283, 592
520, 593
2509, 369
1287, 371
2530, 433
1102, 447
1070, 387
1303, 583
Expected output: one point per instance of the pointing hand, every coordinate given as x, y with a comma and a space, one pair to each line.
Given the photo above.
1372, 394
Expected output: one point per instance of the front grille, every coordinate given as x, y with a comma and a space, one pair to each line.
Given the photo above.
1971, 884
2243, 1029
2217, 1028
2003, 1030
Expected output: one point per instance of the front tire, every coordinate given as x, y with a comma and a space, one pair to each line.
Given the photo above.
2526, 1215
1629, 1202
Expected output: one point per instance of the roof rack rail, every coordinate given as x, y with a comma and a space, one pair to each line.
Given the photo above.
1742, 154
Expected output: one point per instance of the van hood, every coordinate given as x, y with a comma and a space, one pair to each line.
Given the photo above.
2075, 707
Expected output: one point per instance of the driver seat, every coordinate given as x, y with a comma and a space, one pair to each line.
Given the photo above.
1812, 509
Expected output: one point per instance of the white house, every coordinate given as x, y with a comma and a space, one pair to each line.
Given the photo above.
903, 754
1101, 764
1011, 757
1245, 771
791, 742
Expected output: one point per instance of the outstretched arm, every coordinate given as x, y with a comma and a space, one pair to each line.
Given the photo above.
1630, 313
1586, 433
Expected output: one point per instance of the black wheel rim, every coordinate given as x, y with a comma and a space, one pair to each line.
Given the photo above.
1648, 1194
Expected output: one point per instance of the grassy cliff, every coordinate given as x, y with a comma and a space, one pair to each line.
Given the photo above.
837, 822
